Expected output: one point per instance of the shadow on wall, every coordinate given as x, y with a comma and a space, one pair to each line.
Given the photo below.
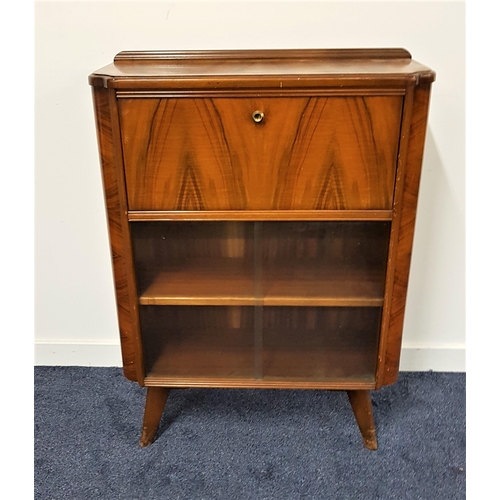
434, 257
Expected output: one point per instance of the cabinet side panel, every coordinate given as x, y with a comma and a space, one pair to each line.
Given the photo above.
406, 231
115, 228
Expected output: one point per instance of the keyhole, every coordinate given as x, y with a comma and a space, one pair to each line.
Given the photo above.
257, 116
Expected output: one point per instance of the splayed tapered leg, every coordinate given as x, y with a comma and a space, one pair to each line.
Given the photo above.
156, 398
362, 407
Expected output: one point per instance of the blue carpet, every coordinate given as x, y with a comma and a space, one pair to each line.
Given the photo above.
246, 444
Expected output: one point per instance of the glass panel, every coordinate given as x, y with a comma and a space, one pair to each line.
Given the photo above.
268, 300
320, 343
278, 263
334, 272
198, 342
324, 263
194, 263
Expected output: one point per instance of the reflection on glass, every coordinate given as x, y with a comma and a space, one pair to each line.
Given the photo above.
324, 263
198, 342
192, 263
280, 263
320, 343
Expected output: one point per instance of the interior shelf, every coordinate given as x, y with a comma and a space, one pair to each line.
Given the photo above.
218, 368
231, 344
226, 263
232, 282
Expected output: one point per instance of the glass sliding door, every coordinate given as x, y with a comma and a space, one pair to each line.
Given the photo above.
261, 300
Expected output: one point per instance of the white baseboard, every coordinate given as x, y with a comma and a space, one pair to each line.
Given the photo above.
438, 358
78, 353
442, 358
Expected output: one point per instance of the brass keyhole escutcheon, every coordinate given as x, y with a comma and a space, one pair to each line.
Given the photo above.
257, 116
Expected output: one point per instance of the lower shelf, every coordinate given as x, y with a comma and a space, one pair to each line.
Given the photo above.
307, 370
250, 383
260, 347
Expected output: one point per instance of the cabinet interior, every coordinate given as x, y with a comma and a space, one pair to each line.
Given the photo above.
269, 300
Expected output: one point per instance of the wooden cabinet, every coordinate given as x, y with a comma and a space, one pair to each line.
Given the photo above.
261, 208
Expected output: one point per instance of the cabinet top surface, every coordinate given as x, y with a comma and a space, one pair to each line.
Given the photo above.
320, 66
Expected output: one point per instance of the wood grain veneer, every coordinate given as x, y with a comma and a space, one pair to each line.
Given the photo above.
313, 153
118, 233
390, 355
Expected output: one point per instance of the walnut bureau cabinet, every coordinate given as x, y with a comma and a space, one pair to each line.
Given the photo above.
261, 207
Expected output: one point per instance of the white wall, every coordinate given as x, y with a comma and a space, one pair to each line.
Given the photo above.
75, 318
